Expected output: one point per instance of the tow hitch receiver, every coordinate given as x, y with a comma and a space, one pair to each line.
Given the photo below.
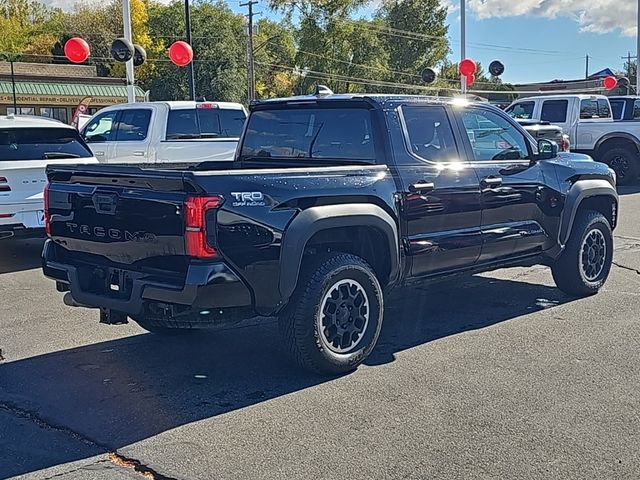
112, 317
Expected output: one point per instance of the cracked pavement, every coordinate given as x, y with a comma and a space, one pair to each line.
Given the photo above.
498, 375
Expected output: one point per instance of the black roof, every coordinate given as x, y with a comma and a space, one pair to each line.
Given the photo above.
380, 99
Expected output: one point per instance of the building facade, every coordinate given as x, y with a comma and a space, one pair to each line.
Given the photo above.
55, 90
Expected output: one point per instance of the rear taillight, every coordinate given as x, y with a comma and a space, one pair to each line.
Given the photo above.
47, 214
196, 242
565, 144
3, 185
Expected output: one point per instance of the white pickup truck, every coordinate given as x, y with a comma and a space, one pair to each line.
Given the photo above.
588, 121
27, 146
157, 132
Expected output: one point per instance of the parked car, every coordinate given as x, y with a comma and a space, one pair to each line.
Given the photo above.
545, 130
158, 132
625, 108
588, 121
27, 145
332, 201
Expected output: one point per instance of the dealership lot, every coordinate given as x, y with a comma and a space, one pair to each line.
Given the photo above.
492, 376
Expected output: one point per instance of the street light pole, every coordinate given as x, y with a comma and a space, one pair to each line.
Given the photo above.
126, 20
13, 86
638, 52
463, 44
192, 76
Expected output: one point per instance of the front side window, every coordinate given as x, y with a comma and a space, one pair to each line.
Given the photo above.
521, 111
133, 125
429, 133
101, 128
41, 144
493, 137
320, 133
554, 111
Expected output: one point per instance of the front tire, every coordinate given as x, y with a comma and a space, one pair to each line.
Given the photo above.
625, 162
585, 263
334, 317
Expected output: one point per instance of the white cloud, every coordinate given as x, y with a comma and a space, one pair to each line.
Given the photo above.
591, 15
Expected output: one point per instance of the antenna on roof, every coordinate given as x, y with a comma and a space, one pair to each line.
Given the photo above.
322, 90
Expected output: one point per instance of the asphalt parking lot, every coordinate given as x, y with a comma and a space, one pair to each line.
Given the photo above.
493, 376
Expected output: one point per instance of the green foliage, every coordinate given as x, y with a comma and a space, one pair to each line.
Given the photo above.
320, 41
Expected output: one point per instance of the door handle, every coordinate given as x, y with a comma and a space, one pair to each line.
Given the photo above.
491, 182
138, 154
421, 187
99, 154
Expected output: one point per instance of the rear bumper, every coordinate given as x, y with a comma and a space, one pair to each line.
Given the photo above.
206, 286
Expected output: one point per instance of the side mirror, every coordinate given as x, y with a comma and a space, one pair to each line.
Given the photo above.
547, 150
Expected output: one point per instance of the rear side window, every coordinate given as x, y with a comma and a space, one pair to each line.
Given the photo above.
329, 133
41, 144
429, 133
594, 108
133, 125
523, 110
196, 123
636, 109
617, 107
554, 111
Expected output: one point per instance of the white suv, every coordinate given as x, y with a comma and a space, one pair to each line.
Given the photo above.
27, 146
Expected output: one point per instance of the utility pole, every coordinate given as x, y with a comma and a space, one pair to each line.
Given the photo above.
13, 87
251, 78
463, 44
126, 18
586, 68
192, 76
638, 51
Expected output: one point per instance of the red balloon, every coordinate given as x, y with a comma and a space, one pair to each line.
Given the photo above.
470, 79
76, 50
610, 82
181, 53
467, 67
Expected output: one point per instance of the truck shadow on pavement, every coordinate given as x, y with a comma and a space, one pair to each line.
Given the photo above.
21, 254
113, 394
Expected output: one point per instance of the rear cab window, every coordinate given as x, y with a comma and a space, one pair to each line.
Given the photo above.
207, 122
521, 111
331, 135
41, 144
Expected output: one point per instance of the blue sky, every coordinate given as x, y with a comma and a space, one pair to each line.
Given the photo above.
561, 39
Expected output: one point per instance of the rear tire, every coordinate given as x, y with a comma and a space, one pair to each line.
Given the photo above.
585, 263
335, 315
625, 162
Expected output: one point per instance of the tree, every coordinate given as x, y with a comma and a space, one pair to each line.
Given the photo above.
416, 34
219, 53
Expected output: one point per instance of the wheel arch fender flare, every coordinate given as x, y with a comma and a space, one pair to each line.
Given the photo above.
316, 219
578, 192
616, 135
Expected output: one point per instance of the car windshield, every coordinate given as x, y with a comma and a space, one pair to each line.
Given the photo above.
41, 144
311, 133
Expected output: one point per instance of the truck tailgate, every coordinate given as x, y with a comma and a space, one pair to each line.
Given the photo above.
126, 215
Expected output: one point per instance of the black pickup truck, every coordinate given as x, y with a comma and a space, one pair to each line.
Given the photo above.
332, 200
